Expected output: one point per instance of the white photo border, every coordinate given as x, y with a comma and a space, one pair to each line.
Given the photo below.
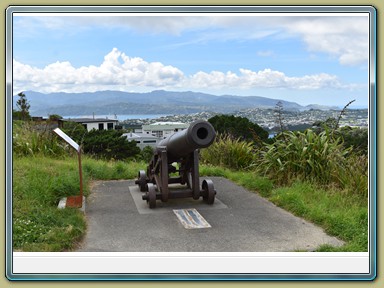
14, 259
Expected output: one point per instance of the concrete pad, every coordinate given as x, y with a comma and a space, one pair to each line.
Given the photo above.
242, 221
171, 204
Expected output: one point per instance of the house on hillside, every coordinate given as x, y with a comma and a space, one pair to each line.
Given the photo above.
142, 140
163, 129
94, 123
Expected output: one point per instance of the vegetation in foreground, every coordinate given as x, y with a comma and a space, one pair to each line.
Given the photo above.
41, 182
316, 175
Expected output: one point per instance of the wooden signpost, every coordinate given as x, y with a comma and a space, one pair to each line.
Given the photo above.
73, 201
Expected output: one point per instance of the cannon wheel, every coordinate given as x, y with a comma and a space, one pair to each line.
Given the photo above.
142, 181
209, 191
151, 200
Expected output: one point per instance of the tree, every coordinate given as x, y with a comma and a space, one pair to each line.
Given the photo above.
109, 144
104, 144
23, 106
54, 117
238, 127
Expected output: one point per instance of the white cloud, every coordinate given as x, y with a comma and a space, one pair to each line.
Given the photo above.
121, 72
343, 37
111, 74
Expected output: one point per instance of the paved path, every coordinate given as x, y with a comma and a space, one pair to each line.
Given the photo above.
241, 221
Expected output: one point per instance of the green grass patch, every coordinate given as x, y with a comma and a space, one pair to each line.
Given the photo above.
39, 183
338, 212
111, 170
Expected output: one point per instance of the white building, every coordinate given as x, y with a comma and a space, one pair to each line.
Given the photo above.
142, 140
163, 129
98, 124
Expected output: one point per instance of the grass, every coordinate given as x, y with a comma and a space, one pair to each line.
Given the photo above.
38, 185
338, 212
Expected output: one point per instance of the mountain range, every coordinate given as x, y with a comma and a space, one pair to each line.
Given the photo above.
155, 102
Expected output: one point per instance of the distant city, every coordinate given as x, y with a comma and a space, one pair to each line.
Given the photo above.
294, 120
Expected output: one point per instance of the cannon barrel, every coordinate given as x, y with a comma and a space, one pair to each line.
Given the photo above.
200, 134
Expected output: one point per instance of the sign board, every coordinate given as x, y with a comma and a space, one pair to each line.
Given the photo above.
67, 139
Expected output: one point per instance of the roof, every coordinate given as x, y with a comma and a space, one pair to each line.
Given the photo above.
133, 135
168, 123
165, 126
90, 120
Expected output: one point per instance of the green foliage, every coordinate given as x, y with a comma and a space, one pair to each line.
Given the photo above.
102, 144
342, 216
75, 130
146, 154
109, 144
303, 155
353, 176
229, 152
38, 185
357, 138
54, 117
238, 127
27, 140
111, 170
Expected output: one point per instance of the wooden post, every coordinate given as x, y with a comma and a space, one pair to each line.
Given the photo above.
81, 177
73, 201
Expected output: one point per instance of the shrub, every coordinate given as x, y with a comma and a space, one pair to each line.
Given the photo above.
146, 154
304, 155
29, 139
229, 152
109, 144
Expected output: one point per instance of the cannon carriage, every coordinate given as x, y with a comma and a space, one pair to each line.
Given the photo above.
180, 148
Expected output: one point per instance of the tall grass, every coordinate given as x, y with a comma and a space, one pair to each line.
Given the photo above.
38, 184
303, 155
229, 152
30, 139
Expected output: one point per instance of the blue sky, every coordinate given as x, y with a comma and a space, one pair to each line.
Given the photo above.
311, 58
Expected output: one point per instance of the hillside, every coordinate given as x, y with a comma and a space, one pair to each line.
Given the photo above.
155, 102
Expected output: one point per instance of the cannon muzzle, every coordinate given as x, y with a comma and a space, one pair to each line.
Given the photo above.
200, 134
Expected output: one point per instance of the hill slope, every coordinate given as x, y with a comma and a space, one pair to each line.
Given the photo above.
155, 102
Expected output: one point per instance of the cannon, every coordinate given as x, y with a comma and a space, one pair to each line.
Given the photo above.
176, 161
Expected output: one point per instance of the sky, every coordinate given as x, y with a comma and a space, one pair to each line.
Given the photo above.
306, 58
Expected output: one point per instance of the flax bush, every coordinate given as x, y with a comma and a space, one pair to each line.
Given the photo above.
229, 152
305, 156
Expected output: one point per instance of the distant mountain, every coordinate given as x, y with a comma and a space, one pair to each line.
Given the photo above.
155, 102
321, 107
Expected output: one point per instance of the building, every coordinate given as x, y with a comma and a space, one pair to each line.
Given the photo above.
94, 123
142, 140
163, 129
